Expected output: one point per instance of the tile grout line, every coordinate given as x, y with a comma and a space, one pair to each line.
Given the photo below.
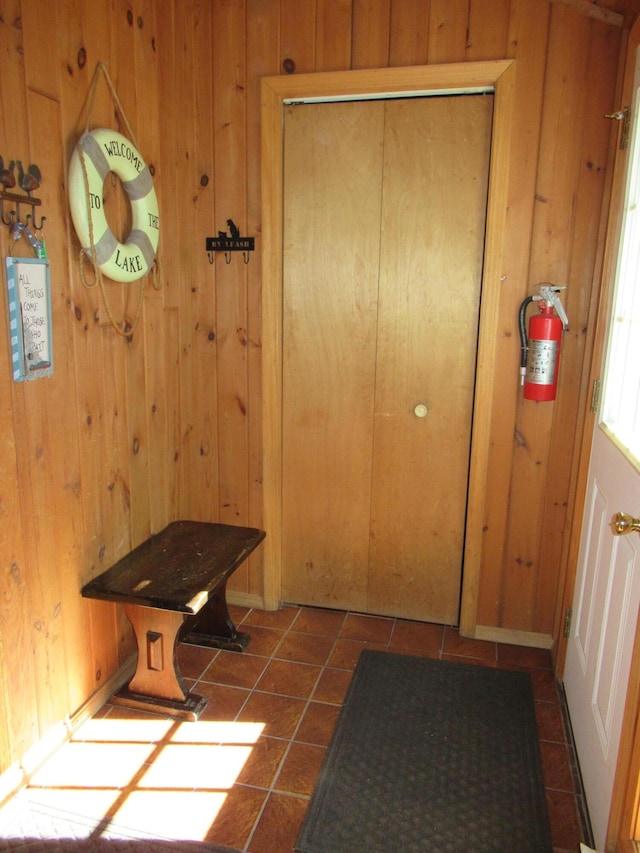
282, 761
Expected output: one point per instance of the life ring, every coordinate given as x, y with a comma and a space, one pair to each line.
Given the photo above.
105, 151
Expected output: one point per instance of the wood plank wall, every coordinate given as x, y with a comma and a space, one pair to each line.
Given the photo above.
132, 432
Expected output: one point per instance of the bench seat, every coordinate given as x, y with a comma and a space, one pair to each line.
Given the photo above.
173, 588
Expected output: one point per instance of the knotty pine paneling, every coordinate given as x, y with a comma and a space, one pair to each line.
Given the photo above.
448, 37
131, 432
532, 19
583, 265
409, 35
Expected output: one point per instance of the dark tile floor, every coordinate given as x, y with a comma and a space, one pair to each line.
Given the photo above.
242, 775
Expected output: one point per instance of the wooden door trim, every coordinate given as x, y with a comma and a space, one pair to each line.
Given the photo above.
624, 815
498, 76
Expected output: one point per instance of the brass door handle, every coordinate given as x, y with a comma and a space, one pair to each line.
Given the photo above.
624, 523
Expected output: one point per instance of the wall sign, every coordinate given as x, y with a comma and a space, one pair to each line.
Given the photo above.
29, 297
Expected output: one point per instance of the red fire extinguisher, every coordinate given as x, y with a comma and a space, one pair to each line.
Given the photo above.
541, 347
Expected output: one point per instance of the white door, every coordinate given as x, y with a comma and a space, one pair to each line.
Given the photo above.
607, 591
604, 618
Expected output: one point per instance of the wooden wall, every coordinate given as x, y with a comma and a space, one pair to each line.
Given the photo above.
132, 432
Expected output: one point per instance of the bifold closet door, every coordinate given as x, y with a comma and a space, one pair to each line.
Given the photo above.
436, 167
384, 232
333, 196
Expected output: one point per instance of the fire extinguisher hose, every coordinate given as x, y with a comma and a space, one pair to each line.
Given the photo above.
524, 343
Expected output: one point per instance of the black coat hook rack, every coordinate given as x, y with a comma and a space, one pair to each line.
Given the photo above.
28, 181
228, 243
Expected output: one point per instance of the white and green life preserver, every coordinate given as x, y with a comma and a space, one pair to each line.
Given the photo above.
104, 151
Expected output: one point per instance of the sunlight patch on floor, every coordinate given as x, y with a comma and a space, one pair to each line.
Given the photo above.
195, 766
93, 765
162, 777
184, 815
88, 803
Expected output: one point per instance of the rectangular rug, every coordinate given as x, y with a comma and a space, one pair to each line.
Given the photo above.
430, 756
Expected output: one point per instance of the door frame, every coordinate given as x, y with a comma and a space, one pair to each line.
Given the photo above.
497, 76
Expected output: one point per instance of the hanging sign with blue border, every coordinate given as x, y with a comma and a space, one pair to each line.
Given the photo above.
29, 298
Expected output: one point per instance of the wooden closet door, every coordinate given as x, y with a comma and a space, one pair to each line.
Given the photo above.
332, 188
436, 167
384, 230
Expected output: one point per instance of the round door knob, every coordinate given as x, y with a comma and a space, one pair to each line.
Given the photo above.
420, 410
625, 523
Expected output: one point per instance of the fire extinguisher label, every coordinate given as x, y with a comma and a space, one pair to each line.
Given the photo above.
541, 362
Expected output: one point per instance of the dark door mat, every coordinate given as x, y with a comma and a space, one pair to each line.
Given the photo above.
431, 756
35, 828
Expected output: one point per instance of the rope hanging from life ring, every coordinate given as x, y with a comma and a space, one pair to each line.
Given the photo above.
97, 153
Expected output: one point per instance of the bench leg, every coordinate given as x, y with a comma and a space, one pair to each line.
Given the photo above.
213, 627
157, 684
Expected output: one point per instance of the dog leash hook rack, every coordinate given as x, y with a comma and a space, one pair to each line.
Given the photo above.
228, 243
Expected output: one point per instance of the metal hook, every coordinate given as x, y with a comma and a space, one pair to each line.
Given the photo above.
5, 221
227, 257
246, 257
32, 216
211, 257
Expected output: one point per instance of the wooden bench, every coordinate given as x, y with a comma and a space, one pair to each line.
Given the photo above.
173, 587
